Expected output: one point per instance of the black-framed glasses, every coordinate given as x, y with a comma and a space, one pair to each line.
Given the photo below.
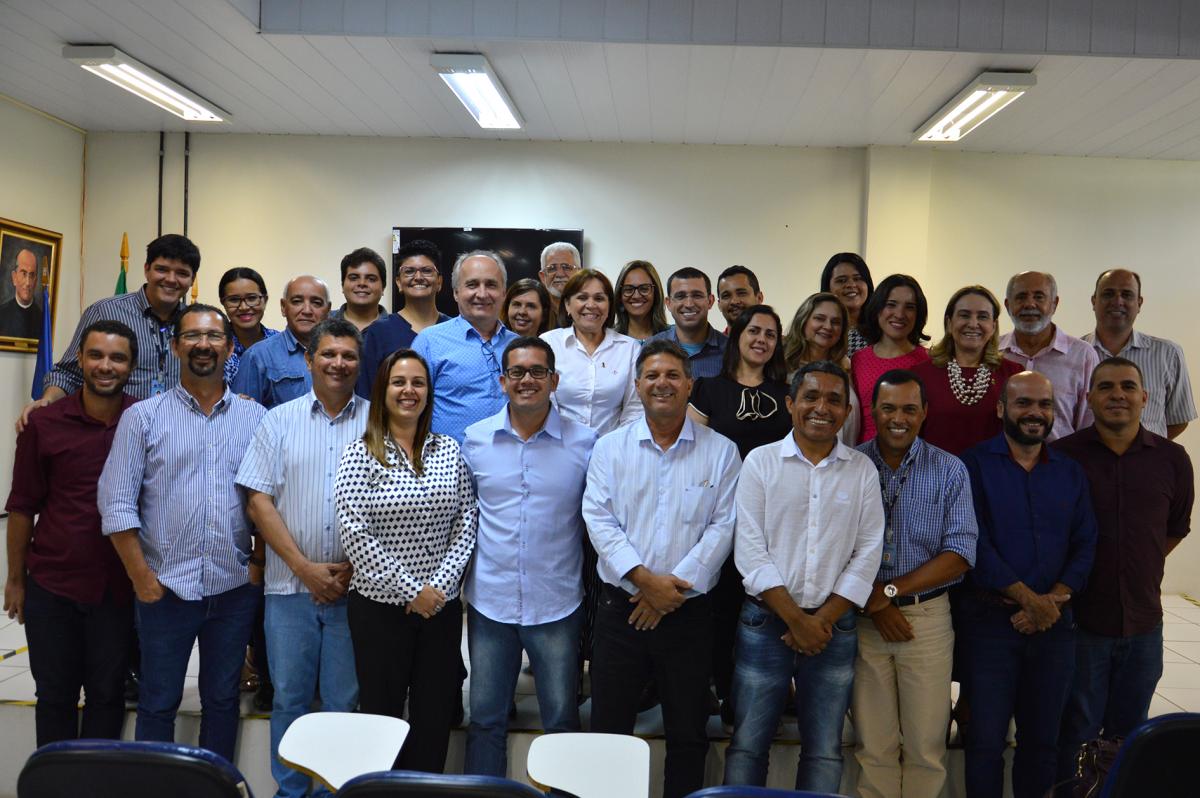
646, 289
195, 336
517, 373
249, 300
410, 272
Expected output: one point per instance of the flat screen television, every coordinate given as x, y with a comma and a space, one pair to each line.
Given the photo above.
521, 250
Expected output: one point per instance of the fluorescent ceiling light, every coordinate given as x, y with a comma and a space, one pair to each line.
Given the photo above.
986, 96
470, 77
132, 75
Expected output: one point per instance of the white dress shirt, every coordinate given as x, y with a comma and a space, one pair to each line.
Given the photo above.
815, 530
671, 511
596, 389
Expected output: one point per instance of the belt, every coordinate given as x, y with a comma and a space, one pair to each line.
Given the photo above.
905, 601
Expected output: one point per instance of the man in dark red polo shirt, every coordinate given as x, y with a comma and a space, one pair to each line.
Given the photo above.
1142, 492
65, 581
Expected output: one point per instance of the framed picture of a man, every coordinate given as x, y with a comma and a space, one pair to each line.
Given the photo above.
27, 256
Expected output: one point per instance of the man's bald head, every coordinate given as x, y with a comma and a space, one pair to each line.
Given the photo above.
305, 302
24, 276
1027, 407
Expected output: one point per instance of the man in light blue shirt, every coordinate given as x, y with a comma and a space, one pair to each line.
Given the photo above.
525, 586
659, 510
168, 501
288, 475
275, 370
464, 353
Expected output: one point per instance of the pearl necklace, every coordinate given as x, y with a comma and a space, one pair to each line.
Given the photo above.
968, 395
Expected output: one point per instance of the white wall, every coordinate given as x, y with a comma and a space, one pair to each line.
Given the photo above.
42, 164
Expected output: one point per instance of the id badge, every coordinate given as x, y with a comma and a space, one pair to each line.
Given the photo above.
889, 554
156, 387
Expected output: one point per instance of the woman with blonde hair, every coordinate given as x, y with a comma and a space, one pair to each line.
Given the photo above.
409, 516
640, 310
965, 373
819, 331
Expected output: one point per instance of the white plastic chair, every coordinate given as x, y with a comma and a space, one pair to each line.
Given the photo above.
334, 747
591, 765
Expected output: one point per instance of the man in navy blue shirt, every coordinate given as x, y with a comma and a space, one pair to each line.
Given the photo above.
1037, 539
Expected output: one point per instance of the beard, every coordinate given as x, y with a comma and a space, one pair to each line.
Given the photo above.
1032, 327
1013, 429
203, 370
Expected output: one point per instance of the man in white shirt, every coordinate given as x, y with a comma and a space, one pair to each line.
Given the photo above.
659, 510
809, 541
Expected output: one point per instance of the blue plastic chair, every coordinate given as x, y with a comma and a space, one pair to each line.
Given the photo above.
735, 791
1155, 760
119, 769
409, 784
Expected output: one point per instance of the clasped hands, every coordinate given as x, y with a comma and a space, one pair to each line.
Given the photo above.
1039, 612
428, 603
658, 594
326, 582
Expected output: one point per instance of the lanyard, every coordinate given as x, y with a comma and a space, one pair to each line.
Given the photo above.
889, 505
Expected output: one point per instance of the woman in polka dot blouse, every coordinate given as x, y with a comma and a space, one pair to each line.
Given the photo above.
408, 516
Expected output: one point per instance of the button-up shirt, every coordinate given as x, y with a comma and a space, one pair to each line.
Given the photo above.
59, 459
1036, 526
1067, 362
170, 475
274, 371
708, 361
1165, 374
1143, 499
465, 371
529, 549
403, 530
155, 362
813, 529
671, 511
931, 510
293, 459
382, 337
596, 389
234, 360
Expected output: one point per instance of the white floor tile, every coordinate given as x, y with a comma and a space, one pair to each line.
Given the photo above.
1173, 632
12, 636
1172, 656
18, 687
1189, 649
1180, 675
20, 660
1169, 601
1161, 706
1191, 613
1186, 699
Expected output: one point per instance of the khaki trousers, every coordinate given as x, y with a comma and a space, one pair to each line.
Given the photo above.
901, 700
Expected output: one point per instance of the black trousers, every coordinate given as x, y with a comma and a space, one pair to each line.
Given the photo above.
73, 646
401, 657
677, 654
727, 597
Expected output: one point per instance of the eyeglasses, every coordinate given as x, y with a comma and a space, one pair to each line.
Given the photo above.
195, 336
517, 373
249, 300
561, 268
412, 271
646, 289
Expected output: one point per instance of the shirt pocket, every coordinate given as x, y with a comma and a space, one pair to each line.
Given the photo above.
285, 384
698, 504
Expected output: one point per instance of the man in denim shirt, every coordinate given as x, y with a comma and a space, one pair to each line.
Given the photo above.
274, 370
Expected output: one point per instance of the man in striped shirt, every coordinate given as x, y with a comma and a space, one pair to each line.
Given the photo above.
168, 501
288, 474
172, 262
1116, 301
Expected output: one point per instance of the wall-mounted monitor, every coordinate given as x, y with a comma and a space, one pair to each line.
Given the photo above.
521, 250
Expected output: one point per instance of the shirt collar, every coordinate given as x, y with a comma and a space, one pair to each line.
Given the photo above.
999, 446
290, 340
713, 339
1061, 342
501, 422
469, 329
789, 448
348, 411
872, 450
686, 434
143, 305
182, 395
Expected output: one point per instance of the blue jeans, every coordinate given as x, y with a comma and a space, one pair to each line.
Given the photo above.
1114, 681
306, 641
1009, 675
495, 664
764, 667
167, 629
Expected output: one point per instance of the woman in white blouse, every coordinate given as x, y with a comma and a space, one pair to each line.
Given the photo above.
595, 363
408, 517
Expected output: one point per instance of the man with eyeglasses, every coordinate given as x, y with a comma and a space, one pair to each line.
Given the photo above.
169, 504
275, 370
524, 589
464, 353
172, 262
689, 298
560, 261
419, 279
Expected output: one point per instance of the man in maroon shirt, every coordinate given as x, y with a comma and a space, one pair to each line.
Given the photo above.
1142, 492
65, 581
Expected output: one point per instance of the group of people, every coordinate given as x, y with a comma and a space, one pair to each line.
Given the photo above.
827, 515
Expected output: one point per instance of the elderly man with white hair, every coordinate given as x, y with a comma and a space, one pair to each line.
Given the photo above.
560, 261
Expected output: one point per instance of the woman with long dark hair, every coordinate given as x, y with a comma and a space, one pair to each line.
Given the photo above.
847, 277
640, 310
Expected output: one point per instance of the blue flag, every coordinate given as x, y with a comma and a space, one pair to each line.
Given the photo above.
45, 353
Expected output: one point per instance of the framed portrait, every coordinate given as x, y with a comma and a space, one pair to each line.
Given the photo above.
29, 257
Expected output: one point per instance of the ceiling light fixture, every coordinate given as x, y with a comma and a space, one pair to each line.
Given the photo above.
132, 75
986, 96
470, 77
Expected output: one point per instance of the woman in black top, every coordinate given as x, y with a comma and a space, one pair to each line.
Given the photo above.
747, 404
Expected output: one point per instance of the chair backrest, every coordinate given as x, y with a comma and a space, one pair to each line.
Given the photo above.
591, 765
334, 747
735, 791
119, 769
1155, 760
407, 784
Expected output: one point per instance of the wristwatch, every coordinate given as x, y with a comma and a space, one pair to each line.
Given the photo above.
890, 590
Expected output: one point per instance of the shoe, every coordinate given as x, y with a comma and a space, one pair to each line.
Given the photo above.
264, 697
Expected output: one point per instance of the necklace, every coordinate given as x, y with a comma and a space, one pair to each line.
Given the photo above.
964, 393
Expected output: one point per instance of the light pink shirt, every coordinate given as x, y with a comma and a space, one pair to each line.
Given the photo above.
1067, 362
